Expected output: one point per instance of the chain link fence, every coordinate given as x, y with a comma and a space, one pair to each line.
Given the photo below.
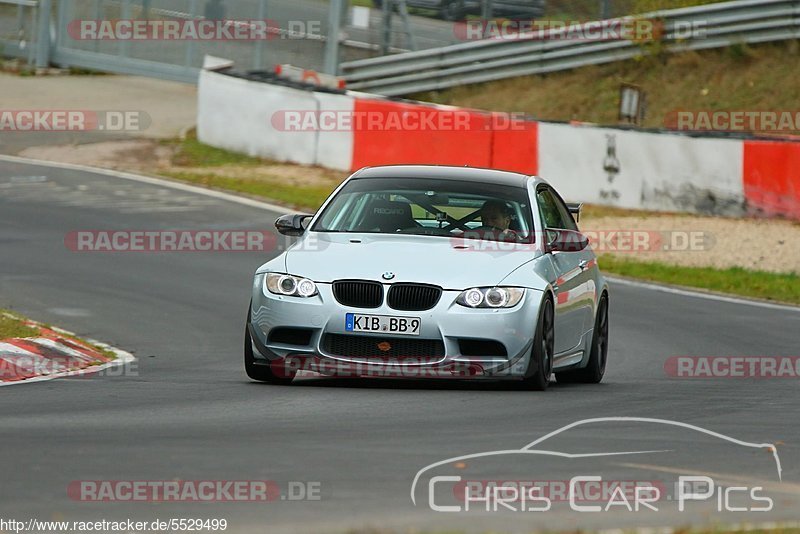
18, 29
300, 30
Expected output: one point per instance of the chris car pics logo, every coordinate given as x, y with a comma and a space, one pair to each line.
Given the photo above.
453, 485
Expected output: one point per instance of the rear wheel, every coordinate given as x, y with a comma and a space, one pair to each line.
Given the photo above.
540, 366
259, 371
596, 368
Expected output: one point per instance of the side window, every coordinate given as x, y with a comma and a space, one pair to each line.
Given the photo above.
554, 212
566, 216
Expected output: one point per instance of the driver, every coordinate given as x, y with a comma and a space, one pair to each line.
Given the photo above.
496, 217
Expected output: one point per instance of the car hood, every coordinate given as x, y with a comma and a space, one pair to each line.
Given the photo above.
325, 257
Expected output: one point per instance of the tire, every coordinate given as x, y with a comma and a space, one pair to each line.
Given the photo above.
540, 366
259, 371
596, 368
452, 10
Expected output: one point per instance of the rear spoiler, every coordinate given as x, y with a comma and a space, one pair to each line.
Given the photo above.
575, 209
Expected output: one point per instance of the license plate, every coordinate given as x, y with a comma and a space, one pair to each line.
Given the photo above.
406, 326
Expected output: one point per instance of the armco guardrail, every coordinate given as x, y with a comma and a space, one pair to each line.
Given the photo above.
694, 28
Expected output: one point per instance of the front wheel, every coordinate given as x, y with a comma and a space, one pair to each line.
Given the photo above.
596, 368
259, 371
540, 366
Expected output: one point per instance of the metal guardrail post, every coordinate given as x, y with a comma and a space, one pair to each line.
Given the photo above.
124, 45
189, 57
259, 51
43, 35
386, 26
331, 64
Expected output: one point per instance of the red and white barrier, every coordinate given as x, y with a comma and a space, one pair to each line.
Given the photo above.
610, 166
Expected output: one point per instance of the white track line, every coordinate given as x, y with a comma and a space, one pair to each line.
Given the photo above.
701, 294
123, 358
151, 180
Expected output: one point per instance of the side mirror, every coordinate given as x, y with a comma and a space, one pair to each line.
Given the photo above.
566, 241
291, 224
575, 209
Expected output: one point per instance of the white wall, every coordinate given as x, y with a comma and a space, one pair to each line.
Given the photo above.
237, 114
656, 171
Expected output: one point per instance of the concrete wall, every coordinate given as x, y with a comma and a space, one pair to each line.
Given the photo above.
616, 167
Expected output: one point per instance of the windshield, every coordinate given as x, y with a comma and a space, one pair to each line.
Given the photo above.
444, 208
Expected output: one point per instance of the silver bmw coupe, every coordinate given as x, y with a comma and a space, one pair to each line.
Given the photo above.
432, 272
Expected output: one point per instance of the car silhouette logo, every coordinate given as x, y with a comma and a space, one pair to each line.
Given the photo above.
388, 275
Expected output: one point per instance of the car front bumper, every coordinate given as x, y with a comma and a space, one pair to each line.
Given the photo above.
449, 323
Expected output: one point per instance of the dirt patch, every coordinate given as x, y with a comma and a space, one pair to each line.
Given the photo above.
153, 157
134, 155
693, 241
296, 175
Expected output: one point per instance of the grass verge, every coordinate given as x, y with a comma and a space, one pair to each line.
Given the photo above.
301, 187
740, 77
14, 327
304, 198
735, 281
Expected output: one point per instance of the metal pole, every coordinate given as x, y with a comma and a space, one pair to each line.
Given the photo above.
605, 9
98, 14
331, 63
486, 9
187, 60
403, 8
124, 45
61, 29
43, 35
386, 28
262, 16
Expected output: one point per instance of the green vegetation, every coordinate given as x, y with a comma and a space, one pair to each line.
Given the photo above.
740, 77
306, 198
14, 326
301, 187
736, 281
192, 153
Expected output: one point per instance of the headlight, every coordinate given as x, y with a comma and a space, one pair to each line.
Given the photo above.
491, 297
290, 286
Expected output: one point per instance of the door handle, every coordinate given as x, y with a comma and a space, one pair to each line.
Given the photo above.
583, 264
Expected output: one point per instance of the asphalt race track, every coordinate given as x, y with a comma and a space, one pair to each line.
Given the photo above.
188, 412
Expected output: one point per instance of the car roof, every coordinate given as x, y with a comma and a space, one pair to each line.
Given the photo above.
445, 172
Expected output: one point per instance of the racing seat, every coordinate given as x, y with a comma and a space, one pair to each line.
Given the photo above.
387, 216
